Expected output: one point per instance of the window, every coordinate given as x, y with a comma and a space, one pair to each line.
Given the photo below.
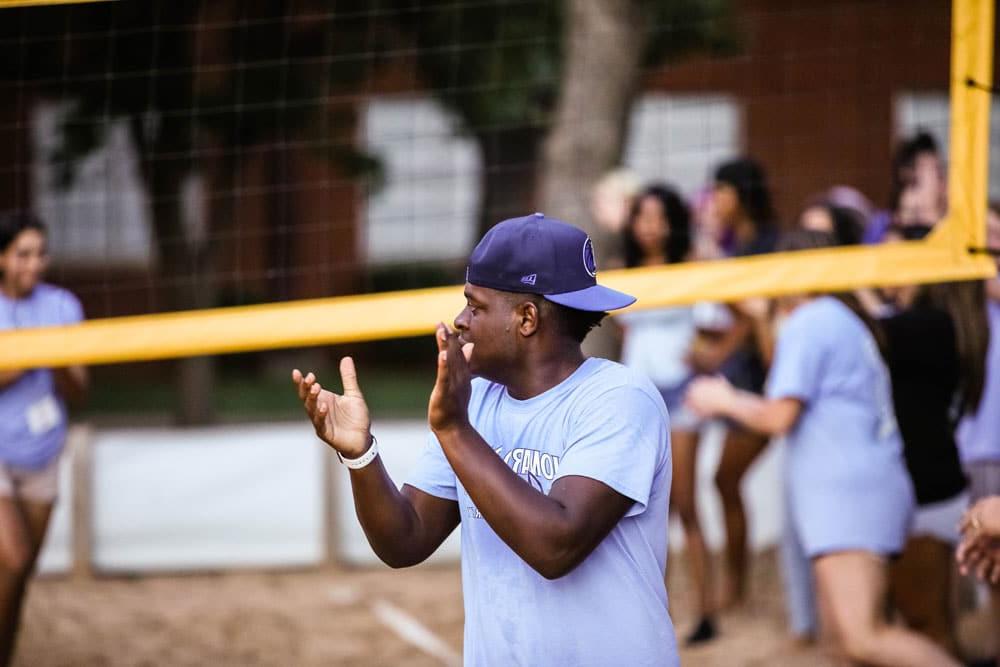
103, 217
930, 111
428, 206
681, 138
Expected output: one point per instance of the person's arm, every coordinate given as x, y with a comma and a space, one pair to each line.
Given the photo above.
760, 313
405, 526
715, 397
552, 533
72, 383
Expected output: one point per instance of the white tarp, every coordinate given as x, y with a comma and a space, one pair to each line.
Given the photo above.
167, 499
400, 444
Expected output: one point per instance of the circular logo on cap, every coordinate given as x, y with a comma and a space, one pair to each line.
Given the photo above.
589, 261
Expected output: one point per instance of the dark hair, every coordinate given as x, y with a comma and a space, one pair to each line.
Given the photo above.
12, 223
572, 323
910, 232
808, 239
965, 303
749, 180
678, 216
909, 149
576, 324
848, 228
903, 160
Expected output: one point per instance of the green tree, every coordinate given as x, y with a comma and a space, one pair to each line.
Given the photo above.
502, 67
192, 78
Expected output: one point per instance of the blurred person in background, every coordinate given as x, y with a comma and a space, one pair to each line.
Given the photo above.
979, 434
706, 230
846, 482
936, 352
846, 228
611, 199
853, 200
727, 341
656, 341
33, 418
918, 193
822, 216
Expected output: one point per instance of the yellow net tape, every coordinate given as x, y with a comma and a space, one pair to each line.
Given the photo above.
942, 257
30, 3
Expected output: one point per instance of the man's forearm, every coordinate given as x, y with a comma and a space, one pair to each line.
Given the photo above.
537, 527
387, 516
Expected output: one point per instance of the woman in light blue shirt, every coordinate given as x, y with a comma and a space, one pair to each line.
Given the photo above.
848, 490
32, 414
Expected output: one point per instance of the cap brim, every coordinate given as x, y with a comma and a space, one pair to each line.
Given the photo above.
597, 298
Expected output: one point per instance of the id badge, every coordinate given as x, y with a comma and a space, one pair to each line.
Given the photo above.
43, 415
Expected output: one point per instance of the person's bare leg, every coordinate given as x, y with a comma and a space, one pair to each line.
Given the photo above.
684, 450
36, 517
15, 559
739, 450
995, 604
852, 586
922, 589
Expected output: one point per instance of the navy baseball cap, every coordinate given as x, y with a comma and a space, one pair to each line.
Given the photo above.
544, 256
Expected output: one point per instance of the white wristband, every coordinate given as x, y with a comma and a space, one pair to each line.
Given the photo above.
364, 459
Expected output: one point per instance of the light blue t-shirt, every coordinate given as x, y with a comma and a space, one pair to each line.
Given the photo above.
979, 435
606, 422
32, 414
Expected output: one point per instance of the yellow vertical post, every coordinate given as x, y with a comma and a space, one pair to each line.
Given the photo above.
971, 61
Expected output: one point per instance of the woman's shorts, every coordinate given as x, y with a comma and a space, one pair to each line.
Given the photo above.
39, 486
984, 479
940, 520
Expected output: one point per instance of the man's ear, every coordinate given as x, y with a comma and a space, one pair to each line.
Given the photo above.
527, 318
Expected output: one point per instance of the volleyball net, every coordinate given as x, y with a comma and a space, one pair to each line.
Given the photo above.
220, 177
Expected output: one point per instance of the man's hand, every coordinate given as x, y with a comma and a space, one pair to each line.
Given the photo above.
341, 421
449, 404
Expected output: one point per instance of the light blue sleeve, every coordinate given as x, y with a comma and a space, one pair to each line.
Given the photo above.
433, 473
70, 309
620, 440
799, 357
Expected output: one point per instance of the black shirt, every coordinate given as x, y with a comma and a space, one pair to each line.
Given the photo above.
924, 365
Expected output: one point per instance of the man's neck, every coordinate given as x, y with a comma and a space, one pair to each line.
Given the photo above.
539, 373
